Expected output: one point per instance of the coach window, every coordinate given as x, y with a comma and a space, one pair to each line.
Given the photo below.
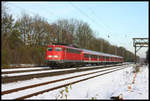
57, 49
92, 56
49, 49
85, 55
72, 51
108, 58
78, 51
68, 50
101, 57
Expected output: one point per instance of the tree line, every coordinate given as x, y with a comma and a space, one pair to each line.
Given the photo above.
24, 40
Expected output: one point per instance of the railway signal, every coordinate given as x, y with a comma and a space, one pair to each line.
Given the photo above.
139, 42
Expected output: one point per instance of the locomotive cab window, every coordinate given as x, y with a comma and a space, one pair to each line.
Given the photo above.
57, 49
49, 49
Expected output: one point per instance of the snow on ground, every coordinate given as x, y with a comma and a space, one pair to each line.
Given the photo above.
20, 69
44, 79
32, 72
36, 72
104, 87
36, 89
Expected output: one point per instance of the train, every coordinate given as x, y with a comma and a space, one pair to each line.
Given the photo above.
59, 55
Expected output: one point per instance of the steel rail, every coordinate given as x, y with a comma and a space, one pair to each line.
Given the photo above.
54, 88
38, 75
19, 71
40, 84
49, 82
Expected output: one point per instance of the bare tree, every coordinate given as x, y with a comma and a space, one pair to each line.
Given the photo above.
84, 35
25, 27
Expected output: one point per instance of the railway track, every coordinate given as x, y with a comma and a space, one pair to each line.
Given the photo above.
24, 70
81, 77
44, 73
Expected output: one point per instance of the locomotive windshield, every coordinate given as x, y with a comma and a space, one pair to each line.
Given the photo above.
57, 49
49, 49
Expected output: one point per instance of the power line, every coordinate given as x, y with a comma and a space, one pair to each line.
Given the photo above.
107, 35
23, 8
105, 26
28, 10
85, 15
82, 12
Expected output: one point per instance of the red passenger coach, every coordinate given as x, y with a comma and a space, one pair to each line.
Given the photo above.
93, 57
68, 56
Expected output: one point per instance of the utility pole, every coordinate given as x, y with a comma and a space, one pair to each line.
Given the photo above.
102, 45
58, 35
115, 50
139, 42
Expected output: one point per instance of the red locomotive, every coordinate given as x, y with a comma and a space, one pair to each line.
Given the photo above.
62, 55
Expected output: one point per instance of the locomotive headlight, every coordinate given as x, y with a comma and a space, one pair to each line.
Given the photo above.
56, 56
49, 56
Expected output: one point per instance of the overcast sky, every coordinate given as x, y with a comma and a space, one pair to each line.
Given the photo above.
121, 21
